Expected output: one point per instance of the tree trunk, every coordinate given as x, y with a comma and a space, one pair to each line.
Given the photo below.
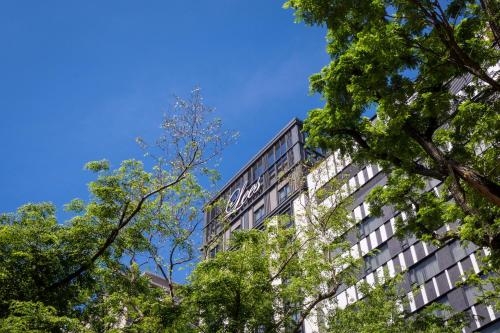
486, 188
492, 14
483, 186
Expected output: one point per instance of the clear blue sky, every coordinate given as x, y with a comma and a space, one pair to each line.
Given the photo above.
81, 79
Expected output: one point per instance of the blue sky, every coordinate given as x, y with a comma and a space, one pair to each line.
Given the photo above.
82, 79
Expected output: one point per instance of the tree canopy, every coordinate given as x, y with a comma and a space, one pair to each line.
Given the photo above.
86, 274
413, 86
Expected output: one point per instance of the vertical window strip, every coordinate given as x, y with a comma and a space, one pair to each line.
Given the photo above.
476, 317
369, 171
461, 270
361, 178
413, 253
448, 279
436, 287
370, 279
373, 240
474, 263
424, 293
363, 244
402, 261
411, 301
491, 313
383, 233
390, 268
426, 250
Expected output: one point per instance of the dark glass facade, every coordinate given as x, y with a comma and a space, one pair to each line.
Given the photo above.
264, 187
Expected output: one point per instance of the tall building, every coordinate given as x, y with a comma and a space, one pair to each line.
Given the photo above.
256, 192
265, 186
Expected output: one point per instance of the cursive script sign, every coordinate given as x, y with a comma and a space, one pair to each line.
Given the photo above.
241, 195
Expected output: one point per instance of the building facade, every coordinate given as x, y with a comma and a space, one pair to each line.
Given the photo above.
265, 187
273, 183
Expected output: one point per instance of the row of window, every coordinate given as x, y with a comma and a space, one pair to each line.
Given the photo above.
435, 284
328, 169
413, 250
274, 154
259, 213
353, 184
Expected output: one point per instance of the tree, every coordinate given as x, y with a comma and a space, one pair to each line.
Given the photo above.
274, 280
427, 70
89, 266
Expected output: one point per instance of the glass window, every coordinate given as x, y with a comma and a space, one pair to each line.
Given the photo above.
471, 294
290, 157
272, 175
369, 225
245, 220
379, 258
283, 193
458, 251
214, 251
289, 140
270, 157
280, 148
258, 215
444, 313
258, 170
424, 270
281, 165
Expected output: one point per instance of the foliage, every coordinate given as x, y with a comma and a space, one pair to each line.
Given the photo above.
88, 270
35, 317
233, 292
406, 61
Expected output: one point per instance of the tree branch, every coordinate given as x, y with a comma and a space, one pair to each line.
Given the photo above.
114, 233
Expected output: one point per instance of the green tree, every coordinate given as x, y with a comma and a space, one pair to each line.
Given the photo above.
86, 270
403, 60
276, 278
273, 280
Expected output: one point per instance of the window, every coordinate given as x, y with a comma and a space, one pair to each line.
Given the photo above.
459, 251
290, 157
280, 148
283, 193
270, 157
289, 140
471, 294
369, 225
424, 270
379, 258
245, 220
443, 313
272, 175
258, 170
258, 215
214, 251
281, 165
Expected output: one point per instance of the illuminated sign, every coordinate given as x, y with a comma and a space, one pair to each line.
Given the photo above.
240, 196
